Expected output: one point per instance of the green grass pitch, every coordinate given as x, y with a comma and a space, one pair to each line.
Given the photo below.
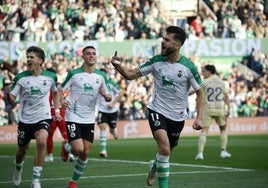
127, 165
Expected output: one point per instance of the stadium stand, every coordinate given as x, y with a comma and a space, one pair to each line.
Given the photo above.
120, 20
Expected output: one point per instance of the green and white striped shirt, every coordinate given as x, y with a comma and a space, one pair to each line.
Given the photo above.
84, 89
33, 92
172, 82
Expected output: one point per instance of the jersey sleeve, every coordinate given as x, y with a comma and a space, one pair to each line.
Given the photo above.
67, 82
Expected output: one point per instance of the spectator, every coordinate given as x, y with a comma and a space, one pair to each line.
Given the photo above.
3, 114
43, 23
209, 26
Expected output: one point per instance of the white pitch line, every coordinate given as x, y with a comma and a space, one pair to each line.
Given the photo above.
171, 164
121, 175
142, 162
223, 169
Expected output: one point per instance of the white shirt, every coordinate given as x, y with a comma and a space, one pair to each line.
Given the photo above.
34, 94
84, 89
114, 91
172, 82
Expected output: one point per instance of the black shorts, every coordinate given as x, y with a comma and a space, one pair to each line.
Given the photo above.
78, 130
173, 128
109, 118
26, 131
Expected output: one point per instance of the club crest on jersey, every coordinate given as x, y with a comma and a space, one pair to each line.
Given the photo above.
157, 123
179, 73
44, 82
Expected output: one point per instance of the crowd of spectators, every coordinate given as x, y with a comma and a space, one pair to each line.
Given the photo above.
118, 20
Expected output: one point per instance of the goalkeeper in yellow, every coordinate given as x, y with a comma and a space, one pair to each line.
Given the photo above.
217, 107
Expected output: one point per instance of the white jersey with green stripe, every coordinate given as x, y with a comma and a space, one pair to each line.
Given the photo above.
33, 92
114, 90
84, 89
172, 82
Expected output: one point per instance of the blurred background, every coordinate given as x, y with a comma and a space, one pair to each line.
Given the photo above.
231, 34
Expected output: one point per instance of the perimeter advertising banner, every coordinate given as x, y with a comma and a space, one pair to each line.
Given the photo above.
203, 48
140, 129
223, 53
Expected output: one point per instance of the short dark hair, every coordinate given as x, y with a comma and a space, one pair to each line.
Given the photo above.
87, 47
38, 51
211, 69
179, 33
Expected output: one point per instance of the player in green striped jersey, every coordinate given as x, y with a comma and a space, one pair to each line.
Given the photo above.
33, 88
85, 84
173, 74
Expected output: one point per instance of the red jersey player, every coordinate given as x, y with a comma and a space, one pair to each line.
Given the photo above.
62, 128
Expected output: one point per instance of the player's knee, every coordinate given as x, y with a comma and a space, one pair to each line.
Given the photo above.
41, 144
77, 151
102, 127
164, 150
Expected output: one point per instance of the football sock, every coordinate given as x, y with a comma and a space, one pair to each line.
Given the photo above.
223, 140
19, 166
103, 140
78, 169
68, 147
154, 164
202, 142
162, 170
37, 170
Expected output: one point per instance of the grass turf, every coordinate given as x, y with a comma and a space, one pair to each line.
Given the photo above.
127, 165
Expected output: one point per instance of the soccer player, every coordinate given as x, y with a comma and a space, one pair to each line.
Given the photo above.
108, 113
33, 88
173, 74
85, 83
61, 125
216, 102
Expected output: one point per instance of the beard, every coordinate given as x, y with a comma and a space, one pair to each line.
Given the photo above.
166, 51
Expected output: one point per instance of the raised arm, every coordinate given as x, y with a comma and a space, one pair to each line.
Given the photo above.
129, 74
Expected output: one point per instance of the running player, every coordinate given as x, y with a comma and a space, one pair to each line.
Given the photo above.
85, 83
173, 75
33, 87
107, 114
61, 125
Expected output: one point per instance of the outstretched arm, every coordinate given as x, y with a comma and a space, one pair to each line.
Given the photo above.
129, 74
